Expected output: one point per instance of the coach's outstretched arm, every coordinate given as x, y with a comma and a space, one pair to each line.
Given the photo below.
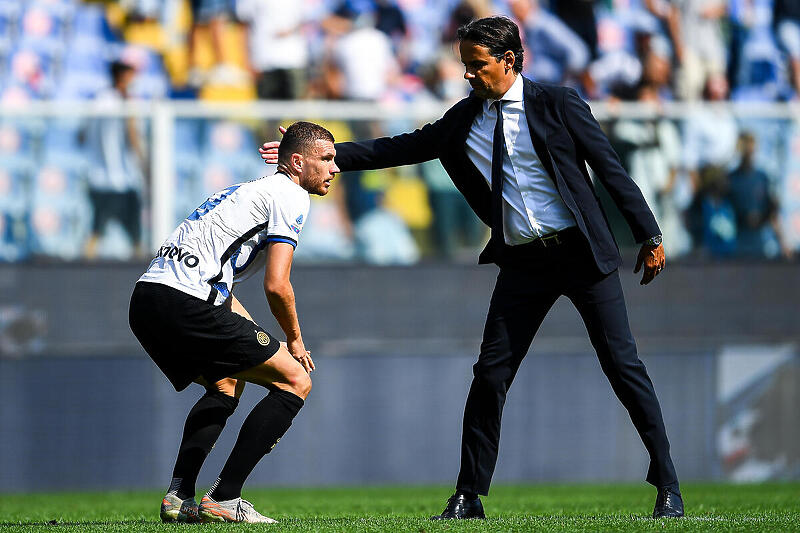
410, 148
280, 296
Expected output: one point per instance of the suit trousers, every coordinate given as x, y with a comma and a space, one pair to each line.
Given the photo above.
531, 278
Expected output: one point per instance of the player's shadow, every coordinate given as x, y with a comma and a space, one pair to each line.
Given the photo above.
57, 523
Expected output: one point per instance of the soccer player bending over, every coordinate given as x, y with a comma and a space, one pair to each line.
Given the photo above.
186, 317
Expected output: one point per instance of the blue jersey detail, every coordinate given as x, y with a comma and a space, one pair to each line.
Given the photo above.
222, 289
212, 202
282, 239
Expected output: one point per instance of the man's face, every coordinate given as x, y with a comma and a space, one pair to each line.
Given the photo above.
488, 77
319, 168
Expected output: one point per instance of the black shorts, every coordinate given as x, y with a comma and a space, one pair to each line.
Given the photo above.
187, 337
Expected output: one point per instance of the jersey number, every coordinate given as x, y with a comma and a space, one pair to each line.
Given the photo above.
212, 202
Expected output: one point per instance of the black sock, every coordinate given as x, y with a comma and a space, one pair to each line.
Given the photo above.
203, 426
467, 494
261, 431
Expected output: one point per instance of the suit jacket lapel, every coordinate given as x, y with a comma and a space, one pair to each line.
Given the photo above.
534, 113
467, 118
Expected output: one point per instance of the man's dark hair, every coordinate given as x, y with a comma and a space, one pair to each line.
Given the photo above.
300, 138
117, 69
498, 34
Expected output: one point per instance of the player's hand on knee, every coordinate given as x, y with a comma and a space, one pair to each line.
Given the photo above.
299, 352
307, 362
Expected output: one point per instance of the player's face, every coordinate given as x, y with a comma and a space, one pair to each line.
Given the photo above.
319, 168
488, 77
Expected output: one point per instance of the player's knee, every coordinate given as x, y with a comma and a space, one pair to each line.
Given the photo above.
300, 384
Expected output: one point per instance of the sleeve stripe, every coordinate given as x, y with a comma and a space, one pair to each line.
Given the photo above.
278, 238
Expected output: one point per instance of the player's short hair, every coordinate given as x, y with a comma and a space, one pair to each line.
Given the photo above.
498, 34
300, 138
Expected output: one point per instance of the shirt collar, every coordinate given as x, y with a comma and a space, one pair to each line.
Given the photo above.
514, 93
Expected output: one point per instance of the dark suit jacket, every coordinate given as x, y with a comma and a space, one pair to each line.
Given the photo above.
565, 136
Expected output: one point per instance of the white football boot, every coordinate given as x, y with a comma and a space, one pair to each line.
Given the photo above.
236, 510
173, 509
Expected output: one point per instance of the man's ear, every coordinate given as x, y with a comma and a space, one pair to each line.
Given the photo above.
297, 162
510, 59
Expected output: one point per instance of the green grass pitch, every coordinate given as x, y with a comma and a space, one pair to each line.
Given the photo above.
551, 508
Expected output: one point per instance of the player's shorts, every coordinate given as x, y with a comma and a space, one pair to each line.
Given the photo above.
188, 338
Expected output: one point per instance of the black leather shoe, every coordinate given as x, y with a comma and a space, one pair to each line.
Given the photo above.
459, 507
669, 504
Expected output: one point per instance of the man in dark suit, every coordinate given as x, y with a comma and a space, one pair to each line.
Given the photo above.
517, 151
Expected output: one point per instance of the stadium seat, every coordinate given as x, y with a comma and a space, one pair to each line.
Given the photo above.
32, 69
13, 215
8, 32
62, 147
84, 74
59, 217
188, 156
42, 26
230, 145
16, 147
151, 79
90, 27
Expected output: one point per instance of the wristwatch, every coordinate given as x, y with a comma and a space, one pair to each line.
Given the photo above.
655, 240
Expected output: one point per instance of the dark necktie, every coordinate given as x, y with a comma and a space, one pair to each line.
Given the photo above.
498, 146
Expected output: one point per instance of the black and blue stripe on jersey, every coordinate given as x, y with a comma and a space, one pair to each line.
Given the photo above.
235, 247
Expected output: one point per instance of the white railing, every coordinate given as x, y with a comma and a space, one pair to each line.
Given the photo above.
163, 114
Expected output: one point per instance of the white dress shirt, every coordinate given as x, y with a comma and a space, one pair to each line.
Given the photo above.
532, 206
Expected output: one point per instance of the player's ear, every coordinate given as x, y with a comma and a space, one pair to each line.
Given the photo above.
297, 162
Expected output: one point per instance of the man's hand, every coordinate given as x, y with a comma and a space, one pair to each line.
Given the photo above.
269, 150
653, 259
299, 352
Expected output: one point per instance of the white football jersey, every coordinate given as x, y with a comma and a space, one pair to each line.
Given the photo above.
223, 241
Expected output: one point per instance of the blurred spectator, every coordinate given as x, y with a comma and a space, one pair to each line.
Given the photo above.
656, 75
444, 77
712, 219
756, 208
463, 12
786, 21
555, 54
756, 64
455, 227
710, 131
651, 150
362, 64
580, 17
117, 162
617, 69
382, 238
701, 47
211, 13
278, 51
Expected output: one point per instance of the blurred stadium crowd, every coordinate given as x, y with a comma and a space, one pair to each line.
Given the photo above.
721, 185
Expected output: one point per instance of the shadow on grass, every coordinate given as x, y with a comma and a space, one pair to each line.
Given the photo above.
57, 523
